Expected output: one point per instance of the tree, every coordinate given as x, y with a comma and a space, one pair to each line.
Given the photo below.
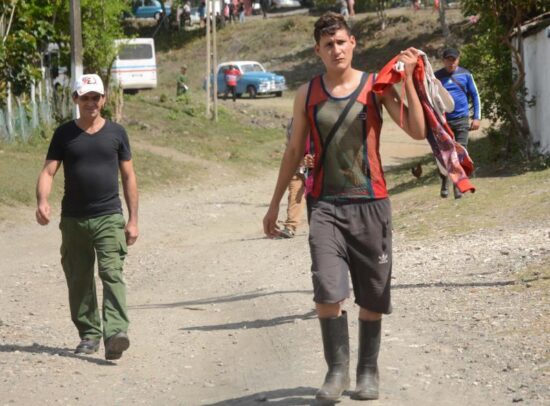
100, 27
28, 26
502, 77
25, 29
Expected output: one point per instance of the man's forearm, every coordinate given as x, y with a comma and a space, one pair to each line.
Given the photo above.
132, 198
43, 187
415, 114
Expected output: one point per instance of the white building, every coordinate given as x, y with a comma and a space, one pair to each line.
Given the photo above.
536, 57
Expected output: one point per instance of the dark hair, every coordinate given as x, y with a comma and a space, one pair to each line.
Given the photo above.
328, 24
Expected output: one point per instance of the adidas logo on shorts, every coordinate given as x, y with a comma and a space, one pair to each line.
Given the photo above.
383, 259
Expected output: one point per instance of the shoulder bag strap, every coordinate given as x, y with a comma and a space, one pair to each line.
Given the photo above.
459, 85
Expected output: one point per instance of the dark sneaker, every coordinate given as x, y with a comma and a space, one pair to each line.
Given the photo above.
444, 193
286, 233
87, 346
116, 345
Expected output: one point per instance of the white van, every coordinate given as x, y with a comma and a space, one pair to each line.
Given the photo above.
135, 66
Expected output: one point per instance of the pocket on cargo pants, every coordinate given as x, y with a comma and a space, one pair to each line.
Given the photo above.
111, 250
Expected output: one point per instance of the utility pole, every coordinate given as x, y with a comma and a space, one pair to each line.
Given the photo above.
215, 60
76, 46
208, 60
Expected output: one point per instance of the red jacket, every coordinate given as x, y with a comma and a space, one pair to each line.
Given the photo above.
452, 156
232, 76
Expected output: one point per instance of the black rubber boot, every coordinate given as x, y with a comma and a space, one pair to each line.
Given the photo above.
457, 192
444, 192
336, 346
367, 363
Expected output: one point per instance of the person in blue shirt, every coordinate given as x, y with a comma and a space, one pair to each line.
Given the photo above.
460, 84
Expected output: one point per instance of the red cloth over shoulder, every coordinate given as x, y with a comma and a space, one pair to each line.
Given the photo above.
450, 156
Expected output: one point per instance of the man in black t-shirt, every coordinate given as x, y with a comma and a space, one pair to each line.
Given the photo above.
93, 150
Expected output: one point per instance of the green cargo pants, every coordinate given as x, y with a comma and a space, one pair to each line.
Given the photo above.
82, 240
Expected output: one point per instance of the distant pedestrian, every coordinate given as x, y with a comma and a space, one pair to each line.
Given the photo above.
296, 194
226, 10
344, 8
232, 11
460, 84
93, 150
241, 11
231, 76
182, 86
186, 16
264, 5
351, 7
202, 13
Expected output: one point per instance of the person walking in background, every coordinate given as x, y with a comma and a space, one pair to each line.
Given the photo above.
241, 10
264, 5
226, 11
202, 13
351, 7
93, 150
460, 84
344, 8
349, 211
231, 76
296, 193
232, 11
182, 86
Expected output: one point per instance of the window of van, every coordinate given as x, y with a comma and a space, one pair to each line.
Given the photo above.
135, 51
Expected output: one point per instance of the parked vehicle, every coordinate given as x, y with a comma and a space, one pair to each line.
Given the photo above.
135, 66
285, 4
150, 9
254, 79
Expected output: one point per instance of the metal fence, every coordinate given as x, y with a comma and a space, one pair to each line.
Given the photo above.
23, 116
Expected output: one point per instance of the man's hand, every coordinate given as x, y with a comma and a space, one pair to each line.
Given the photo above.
270, 222
43, 213
409, 57
475, 125
309, 161
131, 232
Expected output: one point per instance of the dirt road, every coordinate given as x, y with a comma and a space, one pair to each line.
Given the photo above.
222, 316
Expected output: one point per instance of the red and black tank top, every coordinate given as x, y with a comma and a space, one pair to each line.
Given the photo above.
351, 168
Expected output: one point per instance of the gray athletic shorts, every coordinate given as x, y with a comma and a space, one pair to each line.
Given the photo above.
356, 237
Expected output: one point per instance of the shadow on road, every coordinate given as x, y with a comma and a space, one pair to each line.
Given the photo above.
285, 397
62, 352
254, 323
454, 285
221, 299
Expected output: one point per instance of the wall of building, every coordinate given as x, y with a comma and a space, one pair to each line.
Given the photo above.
537, 69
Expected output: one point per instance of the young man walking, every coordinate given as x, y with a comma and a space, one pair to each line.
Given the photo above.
460, 84
349, 210
93, 150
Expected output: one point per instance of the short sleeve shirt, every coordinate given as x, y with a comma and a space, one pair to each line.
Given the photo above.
90, 165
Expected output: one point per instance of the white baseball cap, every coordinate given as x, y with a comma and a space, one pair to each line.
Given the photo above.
89, 83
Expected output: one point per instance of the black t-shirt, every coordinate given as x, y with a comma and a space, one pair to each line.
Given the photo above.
90, 165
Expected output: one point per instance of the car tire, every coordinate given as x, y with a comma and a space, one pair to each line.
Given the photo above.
251, 90
278, 94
